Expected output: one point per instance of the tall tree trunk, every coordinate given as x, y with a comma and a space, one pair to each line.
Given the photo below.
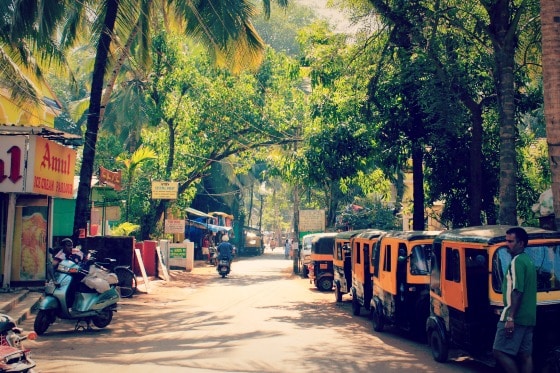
550, 26
418, 188
81, 215
502, 30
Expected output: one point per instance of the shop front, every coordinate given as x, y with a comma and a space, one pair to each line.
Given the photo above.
35, 168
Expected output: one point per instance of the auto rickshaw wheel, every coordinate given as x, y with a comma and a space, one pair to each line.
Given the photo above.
337, 293
325, 284
377, 320
440, 349
356, 306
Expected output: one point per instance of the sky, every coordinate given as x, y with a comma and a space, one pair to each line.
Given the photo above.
338, 20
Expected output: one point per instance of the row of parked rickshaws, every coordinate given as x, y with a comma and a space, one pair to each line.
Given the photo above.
443, 287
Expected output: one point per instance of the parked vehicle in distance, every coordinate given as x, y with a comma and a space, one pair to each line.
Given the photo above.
342, 263
305, 254
252, 242
401, 279
321, 261
466, 292
362, 270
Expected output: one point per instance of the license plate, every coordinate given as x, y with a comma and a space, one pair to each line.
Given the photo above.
323, 266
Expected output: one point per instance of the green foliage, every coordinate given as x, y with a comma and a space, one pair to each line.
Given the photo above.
125, 229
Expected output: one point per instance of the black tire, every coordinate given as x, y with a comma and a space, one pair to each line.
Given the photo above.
337, 293
356, 307
104, 318
42, 322
440, 349
224, 275
325, 284
127, 281
377, 320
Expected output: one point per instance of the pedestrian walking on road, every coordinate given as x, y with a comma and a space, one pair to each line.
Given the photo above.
513, 344
287, 248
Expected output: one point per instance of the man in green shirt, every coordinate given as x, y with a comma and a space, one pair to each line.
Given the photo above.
514, 335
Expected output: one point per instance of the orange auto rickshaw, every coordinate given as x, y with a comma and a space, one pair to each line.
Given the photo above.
401, 278
342, 263
362, 270
321, 261
468, 267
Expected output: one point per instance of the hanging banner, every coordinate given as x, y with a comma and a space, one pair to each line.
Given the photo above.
52, 171
110, 178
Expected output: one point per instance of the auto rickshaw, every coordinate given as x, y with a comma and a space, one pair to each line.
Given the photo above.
401, 278
342, 263
468, 266
362, 286
321, 261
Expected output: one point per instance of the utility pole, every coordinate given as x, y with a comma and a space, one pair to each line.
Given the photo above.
295, 242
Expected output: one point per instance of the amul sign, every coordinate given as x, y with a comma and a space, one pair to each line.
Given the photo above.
36, 165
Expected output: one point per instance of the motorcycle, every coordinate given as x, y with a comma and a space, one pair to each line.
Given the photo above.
69, 298
13, 356
223, 267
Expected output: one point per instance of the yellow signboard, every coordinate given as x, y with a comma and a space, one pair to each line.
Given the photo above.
53, 168
165, 189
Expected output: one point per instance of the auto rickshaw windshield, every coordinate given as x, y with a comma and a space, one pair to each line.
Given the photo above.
545, 258
421, 260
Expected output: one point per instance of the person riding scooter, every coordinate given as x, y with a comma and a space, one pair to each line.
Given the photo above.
225, 249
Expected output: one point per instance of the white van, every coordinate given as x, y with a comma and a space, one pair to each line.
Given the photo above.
305, 253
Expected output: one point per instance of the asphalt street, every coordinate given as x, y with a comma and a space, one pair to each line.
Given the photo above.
262, 318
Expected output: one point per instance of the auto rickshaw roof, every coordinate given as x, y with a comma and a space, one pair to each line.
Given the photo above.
492, 234
412, 235
347, 235
371, 233
323, 243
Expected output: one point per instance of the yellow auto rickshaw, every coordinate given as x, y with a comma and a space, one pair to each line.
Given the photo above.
321, 261
468, 267
362, 285
401, 278
342, 263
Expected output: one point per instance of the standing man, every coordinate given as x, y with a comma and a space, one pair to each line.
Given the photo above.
287, 248
513, 343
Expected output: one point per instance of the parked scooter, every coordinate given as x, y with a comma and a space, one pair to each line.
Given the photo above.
223, 267
213, 255
13, 356
67, 297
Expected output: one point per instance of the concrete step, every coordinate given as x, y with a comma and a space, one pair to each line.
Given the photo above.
23, 310
19, 303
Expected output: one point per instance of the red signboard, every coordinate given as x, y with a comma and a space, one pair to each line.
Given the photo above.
110, 178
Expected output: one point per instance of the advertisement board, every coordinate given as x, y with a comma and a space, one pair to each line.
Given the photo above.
52, 171
312, 220
165, 189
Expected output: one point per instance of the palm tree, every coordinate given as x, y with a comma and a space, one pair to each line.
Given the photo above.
550, 13
27, 45
132, 165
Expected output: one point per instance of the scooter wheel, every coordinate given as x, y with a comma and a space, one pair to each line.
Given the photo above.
42, 322
103, 319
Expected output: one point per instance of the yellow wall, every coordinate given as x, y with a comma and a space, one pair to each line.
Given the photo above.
28, 114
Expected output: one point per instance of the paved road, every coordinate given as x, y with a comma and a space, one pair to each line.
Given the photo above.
260, 319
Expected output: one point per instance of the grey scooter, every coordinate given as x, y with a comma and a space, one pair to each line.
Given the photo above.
67, 298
